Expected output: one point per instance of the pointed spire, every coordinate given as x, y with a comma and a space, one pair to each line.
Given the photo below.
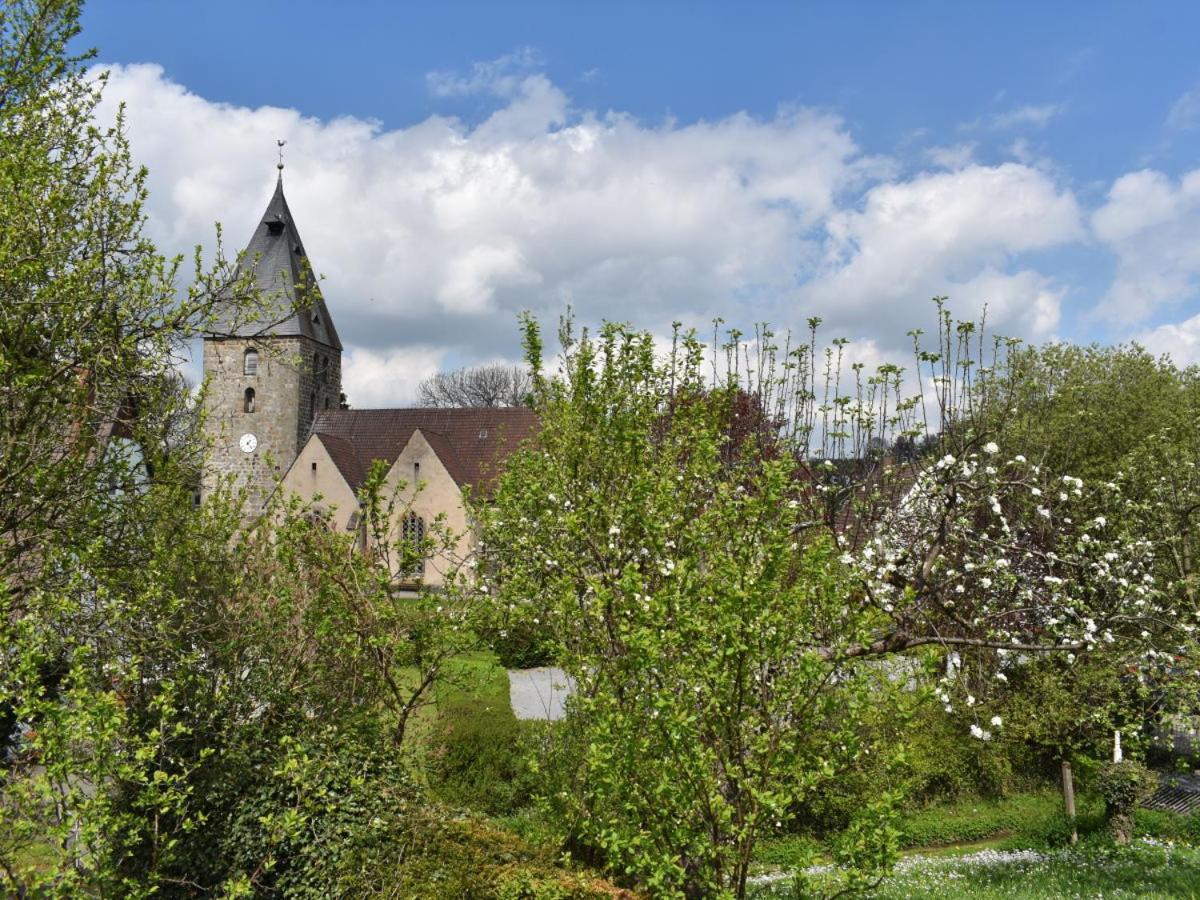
284, 277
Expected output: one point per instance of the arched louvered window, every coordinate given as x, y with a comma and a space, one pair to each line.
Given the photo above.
248, 401
250, 362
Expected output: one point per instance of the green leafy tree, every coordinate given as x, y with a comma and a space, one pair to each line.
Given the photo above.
1115, 416
92, 324
190, 703
718, 612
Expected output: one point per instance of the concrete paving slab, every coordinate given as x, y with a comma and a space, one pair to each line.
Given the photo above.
540, 693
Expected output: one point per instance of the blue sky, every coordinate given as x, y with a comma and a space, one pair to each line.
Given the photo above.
854, 158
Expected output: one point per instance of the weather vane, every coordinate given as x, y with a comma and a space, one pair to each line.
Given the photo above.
280, 145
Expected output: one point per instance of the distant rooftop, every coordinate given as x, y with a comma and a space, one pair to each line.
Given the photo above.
471, 443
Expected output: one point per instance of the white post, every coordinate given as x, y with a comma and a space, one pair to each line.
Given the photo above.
1117, 747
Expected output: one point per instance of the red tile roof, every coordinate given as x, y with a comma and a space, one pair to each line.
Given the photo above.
471, 443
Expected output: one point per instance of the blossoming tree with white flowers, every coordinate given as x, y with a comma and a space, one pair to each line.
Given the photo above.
721, 611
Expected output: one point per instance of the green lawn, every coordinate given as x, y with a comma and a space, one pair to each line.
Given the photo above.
1013, 848
1143, 870
476, 675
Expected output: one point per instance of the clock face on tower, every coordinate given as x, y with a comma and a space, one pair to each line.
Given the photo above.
248, 442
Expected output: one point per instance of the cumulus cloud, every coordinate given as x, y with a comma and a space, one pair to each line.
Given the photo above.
432, 237
373, 379
1151, 222
955, 233
1178, 340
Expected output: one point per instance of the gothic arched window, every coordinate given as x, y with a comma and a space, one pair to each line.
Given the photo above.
248, 401
250, 362
412, 536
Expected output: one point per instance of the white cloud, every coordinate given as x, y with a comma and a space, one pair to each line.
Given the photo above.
1151, 223
1185, 112
954, 233
1028, 116
501, 77
1179, 340
373, 379
952, 156
433, 236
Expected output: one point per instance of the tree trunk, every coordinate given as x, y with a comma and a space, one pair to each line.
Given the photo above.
1121, 824
1068, 790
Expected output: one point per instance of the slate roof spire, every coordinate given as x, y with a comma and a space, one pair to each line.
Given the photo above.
291, 297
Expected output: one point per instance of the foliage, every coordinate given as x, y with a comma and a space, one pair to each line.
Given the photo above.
519, 642
1124, 785
332, 809
477, 757
1085, 409
215, 681
1167, 826
193, 701
921, 751
680, 639
720, 610
92, 324
448, 856
1113, 415
1027, 820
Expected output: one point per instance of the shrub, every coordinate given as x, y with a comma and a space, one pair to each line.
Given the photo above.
520, 644
1167, 825
477, 757
1031, 819
1124, 785
440, 855
327, 811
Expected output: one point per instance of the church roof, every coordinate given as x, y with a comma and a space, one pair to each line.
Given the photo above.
291, 295
471, 443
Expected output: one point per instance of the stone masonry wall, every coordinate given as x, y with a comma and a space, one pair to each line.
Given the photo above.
295, 377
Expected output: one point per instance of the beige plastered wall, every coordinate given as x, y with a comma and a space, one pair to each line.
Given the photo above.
438, 494
315, 475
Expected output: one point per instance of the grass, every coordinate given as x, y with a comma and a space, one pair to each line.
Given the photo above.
1023, 820
1033, 819
1144, 870
476, 675
1141, 870
1016, 848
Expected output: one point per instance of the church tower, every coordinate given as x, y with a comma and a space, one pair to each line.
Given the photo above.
271, 364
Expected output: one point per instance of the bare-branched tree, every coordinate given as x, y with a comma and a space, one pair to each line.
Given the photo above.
488, 386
